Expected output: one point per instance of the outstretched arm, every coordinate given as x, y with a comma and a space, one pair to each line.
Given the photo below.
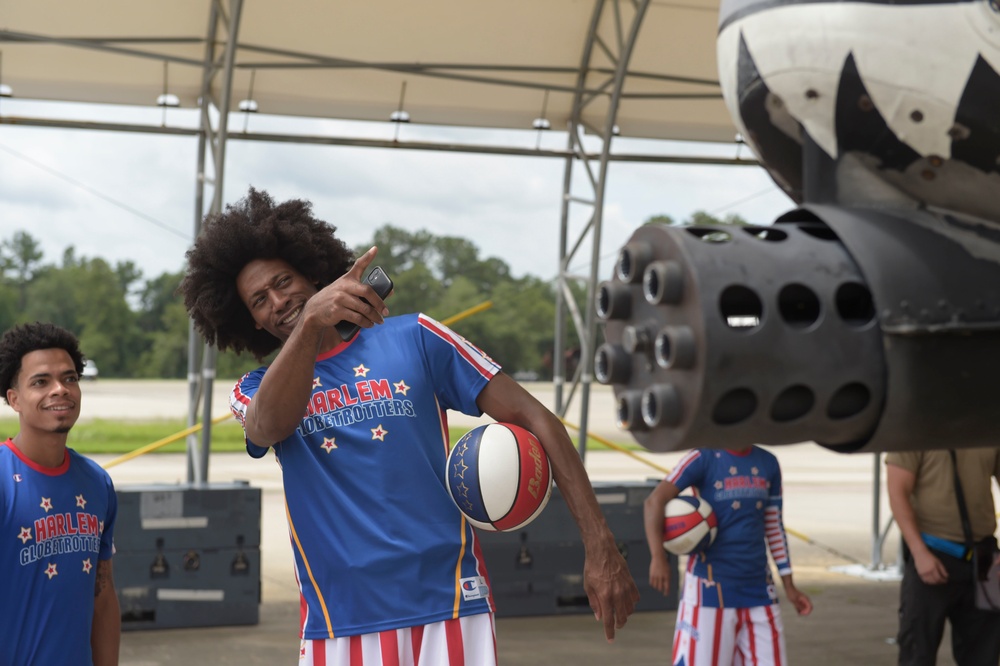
652, 515
609, 585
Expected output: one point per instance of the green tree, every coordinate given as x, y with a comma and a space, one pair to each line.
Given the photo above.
701, 217
86, 297
167, 344
660, 219
21, 255
9, 301
445, 275
155, 297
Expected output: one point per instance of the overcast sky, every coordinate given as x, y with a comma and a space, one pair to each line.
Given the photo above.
125, 196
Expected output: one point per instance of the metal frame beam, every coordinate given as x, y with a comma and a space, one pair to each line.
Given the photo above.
314, 139
211, 138
620, 52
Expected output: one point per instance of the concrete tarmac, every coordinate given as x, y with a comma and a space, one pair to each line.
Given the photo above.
830, 509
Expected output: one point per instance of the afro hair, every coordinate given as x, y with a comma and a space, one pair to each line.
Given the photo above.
255, 227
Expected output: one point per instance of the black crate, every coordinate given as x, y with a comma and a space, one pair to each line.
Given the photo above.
213, 515
188, 556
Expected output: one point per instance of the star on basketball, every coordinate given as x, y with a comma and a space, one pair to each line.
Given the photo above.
25, 535
460, 468
51, 571
87, 566
379, 433
46, 504
463, 489
329, 443
361, 371
401, 387
80, 502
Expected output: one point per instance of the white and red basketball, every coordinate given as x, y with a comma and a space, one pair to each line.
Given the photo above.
689, 525
499, 476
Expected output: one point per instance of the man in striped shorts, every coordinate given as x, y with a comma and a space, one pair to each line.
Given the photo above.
389, 571
728, 613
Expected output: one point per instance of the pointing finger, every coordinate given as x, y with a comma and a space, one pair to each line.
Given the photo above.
361, 263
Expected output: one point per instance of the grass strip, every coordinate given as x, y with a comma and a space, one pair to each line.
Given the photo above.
96, 436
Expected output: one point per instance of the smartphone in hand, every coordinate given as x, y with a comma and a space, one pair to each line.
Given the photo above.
382, 284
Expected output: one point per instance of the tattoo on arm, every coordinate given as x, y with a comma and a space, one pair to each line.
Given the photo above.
103, 577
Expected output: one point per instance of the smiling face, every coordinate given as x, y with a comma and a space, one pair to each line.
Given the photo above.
275, 294
46, 392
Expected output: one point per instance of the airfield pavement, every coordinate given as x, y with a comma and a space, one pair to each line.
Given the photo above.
829, 504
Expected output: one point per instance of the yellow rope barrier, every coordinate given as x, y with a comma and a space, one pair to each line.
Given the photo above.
163, 442
485, 305
616, 447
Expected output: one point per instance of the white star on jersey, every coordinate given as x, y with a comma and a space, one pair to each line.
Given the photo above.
401, 387
80, 502
361, 371
329, 443
379, 433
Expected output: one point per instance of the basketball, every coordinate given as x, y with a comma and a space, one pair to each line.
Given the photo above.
499, 477
689, 525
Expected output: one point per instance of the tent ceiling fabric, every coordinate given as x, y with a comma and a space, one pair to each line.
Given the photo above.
467, 64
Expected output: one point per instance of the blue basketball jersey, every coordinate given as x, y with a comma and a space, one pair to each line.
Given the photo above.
57, 523
744, 489
377, 540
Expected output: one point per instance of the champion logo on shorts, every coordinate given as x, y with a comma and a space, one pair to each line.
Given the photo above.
684, 625
474, 588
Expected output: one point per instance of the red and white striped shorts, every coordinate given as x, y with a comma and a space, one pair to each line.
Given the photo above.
727, 636
466, 641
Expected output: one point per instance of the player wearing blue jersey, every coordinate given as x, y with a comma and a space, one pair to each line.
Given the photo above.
389, 570
728, 613
57, 514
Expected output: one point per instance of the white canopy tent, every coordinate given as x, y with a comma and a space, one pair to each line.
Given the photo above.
482, 64
599, 67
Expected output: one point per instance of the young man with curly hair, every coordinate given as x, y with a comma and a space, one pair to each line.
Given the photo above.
388, 570
57, 513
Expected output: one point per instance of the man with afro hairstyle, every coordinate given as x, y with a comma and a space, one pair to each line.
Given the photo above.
57, 513
388, 569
